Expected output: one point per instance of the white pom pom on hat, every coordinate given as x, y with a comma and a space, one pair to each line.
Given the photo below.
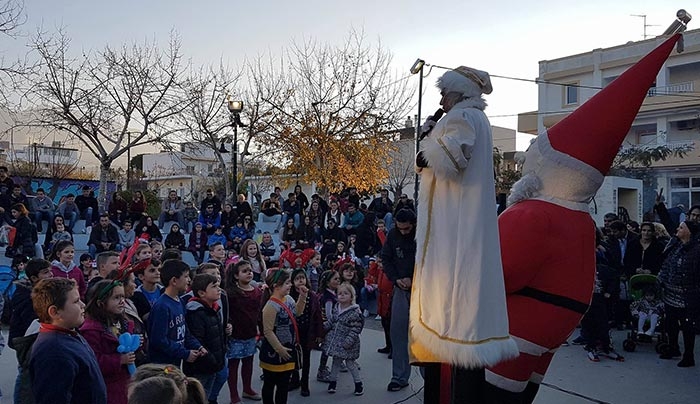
467, 81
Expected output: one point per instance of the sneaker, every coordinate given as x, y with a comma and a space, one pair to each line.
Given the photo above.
385, 350
359, 390
365, 313
252, 396
394, 386
331, 387
579, 341
593, 355
323, 375
378, 318
612, 354
305, 391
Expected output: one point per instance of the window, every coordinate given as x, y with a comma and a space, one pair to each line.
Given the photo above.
685, 191
571, 94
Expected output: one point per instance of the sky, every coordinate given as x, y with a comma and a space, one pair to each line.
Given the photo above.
503, 37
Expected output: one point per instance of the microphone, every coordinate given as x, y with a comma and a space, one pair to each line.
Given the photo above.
435, 117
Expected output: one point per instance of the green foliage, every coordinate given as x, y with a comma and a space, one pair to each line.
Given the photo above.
152, 201
635, 162
644, 156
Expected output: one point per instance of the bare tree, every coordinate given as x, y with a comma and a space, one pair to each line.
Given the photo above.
334, 108
109, 100
12, 16
207, 121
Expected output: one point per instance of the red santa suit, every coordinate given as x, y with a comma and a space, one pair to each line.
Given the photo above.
547, 235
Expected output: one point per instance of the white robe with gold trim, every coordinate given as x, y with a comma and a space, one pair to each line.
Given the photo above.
458, 307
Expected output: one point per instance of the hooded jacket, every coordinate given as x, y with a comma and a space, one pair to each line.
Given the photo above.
22, 311
72, 271
104, 344
343, 339
204, 323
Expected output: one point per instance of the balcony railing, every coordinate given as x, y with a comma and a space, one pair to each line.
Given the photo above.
670, 144
673, 89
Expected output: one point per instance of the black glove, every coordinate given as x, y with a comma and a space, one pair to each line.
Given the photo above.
420, 160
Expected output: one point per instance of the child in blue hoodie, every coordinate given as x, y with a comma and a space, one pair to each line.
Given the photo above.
218, 237
169, 340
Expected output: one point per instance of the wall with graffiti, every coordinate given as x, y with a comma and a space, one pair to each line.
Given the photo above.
58, 189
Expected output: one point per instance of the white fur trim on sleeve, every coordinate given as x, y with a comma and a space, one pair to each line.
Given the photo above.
450, 153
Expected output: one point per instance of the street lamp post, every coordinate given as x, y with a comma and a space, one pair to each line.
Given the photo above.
235, 108
417, 68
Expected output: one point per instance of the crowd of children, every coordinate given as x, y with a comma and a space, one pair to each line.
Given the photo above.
196, 329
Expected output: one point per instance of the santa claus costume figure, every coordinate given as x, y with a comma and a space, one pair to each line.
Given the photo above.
551, 272
458, 308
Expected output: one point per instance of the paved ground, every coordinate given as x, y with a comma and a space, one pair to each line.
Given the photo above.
641, 379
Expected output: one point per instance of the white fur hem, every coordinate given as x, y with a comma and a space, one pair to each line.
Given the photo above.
476, 355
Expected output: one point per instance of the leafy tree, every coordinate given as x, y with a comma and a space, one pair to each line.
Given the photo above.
332, 109
636, 161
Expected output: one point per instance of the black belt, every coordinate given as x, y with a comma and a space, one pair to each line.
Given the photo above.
556, 300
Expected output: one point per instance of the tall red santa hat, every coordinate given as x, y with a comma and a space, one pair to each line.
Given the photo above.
566, 164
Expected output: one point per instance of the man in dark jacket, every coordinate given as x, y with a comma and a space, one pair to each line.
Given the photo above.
88, 206
398, 257
103, 237
211, 199
383, 208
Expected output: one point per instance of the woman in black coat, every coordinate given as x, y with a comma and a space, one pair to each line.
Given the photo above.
645, 253
26, 237
175, 238
147, 226
680, 281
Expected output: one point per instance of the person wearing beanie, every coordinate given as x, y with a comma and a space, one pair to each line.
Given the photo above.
458, 305
552, 272
680, 282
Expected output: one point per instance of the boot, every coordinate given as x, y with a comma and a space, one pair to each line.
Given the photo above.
359, 390
294, 381
687, 361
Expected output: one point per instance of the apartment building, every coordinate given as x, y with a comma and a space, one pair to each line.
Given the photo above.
669, 116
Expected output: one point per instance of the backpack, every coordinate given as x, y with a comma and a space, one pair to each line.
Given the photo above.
7, 290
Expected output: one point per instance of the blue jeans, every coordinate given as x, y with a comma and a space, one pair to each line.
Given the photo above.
87, 216
207, 382
286, 216
220, 379
166, 217
39, 216
400, 365
70, 219
366, 297
388, 221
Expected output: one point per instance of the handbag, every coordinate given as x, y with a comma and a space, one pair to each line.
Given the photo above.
296, 353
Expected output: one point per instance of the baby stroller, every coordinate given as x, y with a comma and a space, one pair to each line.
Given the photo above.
638, 286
